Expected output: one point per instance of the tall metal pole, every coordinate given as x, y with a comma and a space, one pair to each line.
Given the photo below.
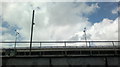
85, 36
31, 31
16, 33
15, 39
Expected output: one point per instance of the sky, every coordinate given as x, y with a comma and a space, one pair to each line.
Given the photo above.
59, 21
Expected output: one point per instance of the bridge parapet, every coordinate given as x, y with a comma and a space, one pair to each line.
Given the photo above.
69, 48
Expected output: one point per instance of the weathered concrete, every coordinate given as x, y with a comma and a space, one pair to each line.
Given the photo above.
62, 62
62, 57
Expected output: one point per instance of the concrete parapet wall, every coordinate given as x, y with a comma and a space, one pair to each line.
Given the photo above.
61, 62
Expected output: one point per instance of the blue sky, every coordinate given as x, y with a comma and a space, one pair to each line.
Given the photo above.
104, 12
54, 20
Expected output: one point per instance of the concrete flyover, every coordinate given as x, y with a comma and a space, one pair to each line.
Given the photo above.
80, 61
65, 56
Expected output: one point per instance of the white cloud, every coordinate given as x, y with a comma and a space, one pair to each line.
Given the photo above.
7, 37
104, 30
57, 21
52, 20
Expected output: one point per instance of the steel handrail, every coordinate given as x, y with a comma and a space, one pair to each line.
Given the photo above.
52, 41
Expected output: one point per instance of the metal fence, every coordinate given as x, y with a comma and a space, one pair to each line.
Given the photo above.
61, 48
57, 44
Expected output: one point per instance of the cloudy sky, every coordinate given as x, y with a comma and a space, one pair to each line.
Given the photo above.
59, 21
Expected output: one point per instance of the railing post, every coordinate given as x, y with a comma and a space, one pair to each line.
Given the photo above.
89, 43
40, 48
15, 47
65, 44
114, 47
65, 49
40, 44
90, 49
86, 43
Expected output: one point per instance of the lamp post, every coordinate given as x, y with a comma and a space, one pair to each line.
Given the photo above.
85, 35
16, 34
31, 31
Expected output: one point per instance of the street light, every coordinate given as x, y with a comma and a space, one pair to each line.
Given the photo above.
85, 35
16, 34
32, 31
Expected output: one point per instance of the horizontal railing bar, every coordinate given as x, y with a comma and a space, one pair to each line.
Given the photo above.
53, 41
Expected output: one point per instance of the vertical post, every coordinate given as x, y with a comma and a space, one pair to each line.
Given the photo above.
15, 44
90, 49
15, 40
16, 33
114, 48
89, 44
65, 44
40, 48
31, 31
65, 49
40, 45
50, 62
106, 62
85, 36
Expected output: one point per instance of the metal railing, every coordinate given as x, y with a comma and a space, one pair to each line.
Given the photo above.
114, 45
67, 43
